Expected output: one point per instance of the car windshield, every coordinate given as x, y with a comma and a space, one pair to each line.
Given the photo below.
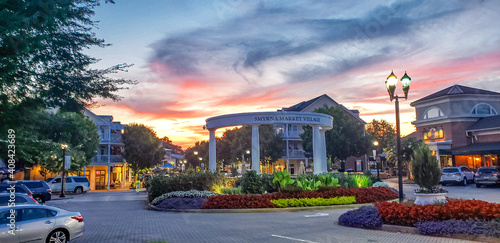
487, 170
450, 170
49, 179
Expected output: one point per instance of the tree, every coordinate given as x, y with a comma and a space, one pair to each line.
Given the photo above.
382, 132
167, 143
425, 168
42, 55
408, 145
43, 65
345, 139
39, 136
142, 147
271, 144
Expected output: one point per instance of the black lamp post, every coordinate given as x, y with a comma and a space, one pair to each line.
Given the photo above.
376, 161
63, 180
390, 84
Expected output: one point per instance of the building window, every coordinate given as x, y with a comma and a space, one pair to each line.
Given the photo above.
433, 112
483, 109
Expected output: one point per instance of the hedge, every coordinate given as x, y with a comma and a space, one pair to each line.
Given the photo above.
308, 202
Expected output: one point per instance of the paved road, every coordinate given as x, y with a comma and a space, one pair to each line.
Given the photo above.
489, 194
122, 217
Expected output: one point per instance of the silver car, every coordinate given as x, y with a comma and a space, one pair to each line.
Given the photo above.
7, 199
39, 223
457, 175
487, 176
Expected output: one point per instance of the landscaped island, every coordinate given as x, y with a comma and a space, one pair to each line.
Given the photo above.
279, 190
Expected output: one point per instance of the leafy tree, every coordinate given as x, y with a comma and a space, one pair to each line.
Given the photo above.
39, 136
382, 132
142, 147
408, 145
271, 144
345, 139
42, 55
169, 144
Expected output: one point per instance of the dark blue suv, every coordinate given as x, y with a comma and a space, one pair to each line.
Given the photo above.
40, 189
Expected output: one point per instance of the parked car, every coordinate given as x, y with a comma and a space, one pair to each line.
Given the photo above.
453, 175
76, 184
8, 187
41, 190
19, 198
487, 176
40, 223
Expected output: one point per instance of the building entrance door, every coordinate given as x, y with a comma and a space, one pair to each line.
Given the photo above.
100, 179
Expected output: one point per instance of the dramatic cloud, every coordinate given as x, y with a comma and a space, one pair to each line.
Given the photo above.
265, 55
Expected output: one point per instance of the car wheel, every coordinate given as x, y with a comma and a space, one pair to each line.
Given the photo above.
464, 181
40, 200
78, 190
478, 185
57, 236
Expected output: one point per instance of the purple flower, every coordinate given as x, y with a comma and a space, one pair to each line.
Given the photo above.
363, 217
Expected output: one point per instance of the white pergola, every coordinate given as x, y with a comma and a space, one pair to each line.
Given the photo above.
320, 123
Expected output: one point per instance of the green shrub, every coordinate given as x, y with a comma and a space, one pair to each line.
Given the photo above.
234, 171
250, 183
267, 183
308, 202
201, 181
282, 179
308, 185
425, 168
233, 190
358, 181
343, 179
328, 180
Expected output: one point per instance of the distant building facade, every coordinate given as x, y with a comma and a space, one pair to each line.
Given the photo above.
108, 168
293, 152
461, 125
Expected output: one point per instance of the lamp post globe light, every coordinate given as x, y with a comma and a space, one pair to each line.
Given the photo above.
63, 180
390, 84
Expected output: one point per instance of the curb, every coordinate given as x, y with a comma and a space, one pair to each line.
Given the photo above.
261, 210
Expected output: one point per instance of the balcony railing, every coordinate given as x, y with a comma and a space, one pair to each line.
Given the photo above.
294, 154
104, 159
115, 138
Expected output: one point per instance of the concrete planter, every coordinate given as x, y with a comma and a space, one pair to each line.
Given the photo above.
429, 198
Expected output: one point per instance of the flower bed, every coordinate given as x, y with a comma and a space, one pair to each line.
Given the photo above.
463, 217
180, 194
181, 203
237, 201
364, 217
465, 227
398, 214
362, 195
308, 202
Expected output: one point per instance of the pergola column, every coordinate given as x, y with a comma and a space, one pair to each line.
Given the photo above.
255, 149
212, 152
324, 165
317, 157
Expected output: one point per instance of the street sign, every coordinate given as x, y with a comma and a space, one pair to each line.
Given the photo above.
67, 161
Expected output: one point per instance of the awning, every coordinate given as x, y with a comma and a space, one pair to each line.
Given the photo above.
167, 165
478, 148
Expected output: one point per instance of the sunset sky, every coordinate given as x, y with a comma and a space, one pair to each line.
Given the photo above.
197, 59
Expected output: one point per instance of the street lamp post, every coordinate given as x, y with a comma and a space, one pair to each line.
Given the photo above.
63, 180
376, 162
390, 84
